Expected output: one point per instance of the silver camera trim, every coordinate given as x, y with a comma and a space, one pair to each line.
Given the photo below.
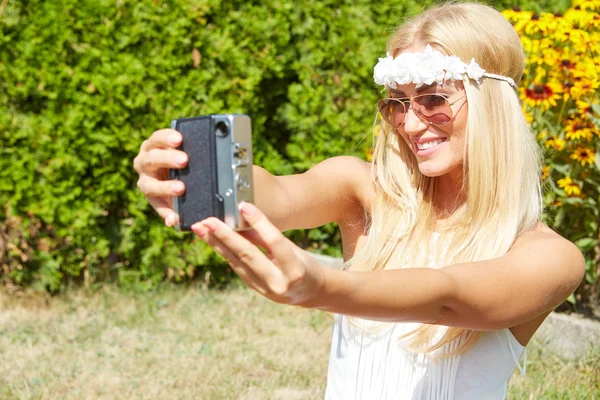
234, 160
234, 166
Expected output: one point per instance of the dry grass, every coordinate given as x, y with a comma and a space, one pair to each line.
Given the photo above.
194, 343
178, 344
549, 377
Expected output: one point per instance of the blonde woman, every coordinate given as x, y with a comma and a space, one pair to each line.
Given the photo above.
449, 271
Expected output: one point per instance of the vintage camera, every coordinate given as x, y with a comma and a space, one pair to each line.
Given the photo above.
219, 172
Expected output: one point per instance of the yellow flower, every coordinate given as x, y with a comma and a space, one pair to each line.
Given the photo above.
539, 51
583, 85
581, 19
545, 172
567, 64
584, 107
542, 135
583, 155
543, 23
570, 187
515, 14
544, 95
578, 129
593, 5
376, 130
594, 22
567, 33
555, 143
517, 17
550, 56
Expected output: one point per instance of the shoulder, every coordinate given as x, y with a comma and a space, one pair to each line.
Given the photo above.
355, 174
561, 257
348, 165
542, 236
536, 275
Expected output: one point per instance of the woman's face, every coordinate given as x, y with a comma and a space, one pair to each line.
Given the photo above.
439, 149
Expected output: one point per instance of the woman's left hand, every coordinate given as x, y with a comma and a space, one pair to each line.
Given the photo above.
286, 274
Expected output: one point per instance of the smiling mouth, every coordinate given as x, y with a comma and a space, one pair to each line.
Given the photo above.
429, 145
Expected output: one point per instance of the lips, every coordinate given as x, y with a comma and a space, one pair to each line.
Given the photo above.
430, 144
425, 146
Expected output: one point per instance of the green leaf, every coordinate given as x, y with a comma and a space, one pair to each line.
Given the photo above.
590, 272
560, 216
572, 200
586, 244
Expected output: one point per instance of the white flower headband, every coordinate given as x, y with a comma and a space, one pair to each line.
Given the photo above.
426, 67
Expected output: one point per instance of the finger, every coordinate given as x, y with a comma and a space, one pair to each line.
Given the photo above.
152, 187
154, 159
253, 236
172, 219
271, 238
244, 250
246, 274
162, 139
164, 209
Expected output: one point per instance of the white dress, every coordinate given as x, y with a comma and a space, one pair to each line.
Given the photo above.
375, 364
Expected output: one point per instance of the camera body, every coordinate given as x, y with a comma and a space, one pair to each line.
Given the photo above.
219, 172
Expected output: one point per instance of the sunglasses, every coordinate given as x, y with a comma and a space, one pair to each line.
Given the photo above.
433, 108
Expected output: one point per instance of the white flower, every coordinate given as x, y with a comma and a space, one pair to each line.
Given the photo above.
401, 71
384, 71
474, 71
425, 68
454, 68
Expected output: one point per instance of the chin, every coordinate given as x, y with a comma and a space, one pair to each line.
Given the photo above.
432, 173
433, 170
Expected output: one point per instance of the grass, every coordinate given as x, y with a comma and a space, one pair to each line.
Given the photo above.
549, 377
194, 343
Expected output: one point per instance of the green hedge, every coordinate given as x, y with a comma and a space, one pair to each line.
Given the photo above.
82, 83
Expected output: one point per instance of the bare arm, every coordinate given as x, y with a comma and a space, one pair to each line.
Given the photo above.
334, 190
534, 277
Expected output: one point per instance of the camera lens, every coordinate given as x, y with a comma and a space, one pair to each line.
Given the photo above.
221, 129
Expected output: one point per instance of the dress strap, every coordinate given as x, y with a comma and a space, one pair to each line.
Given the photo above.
522, 369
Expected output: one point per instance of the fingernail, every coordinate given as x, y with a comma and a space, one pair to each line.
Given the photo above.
248, 209
180, 159
177, 187
174, 139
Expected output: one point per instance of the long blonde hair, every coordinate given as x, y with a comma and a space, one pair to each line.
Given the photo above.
501, 172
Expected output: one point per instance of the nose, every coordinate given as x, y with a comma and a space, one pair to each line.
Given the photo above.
412, 123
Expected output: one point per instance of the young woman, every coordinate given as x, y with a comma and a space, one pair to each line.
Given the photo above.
449, 271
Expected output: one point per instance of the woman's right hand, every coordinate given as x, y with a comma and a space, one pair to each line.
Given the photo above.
157, 155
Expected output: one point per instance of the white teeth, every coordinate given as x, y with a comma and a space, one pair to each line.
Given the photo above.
428, 145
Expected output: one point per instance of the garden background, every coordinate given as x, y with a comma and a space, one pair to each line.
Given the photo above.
83, 83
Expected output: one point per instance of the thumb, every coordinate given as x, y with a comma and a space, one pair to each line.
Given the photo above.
266, 234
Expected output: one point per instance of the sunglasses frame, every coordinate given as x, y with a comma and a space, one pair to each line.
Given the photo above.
403, 100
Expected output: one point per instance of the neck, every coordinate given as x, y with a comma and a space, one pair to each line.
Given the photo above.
450, 195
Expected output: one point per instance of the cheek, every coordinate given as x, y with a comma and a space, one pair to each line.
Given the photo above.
404, 140
461, 119
458, 147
